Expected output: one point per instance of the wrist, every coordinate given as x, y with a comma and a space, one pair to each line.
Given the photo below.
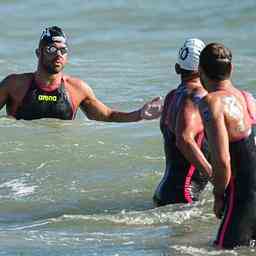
140, 114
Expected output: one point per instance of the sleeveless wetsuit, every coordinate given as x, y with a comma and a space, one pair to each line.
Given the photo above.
38, 103
181, 182
238, 226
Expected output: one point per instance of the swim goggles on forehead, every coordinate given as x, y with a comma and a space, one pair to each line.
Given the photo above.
54, 50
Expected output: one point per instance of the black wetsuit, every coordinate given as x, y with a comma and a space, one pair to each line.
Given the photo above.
181, 183
38, 103
238, 226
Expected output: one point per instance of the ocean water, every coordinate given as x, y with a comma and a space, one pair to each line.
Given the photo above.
83, 187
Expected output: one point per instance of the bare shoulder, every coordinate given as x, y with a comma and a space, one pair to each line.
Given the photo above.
210, 105
15, 81
78, 84
212, 99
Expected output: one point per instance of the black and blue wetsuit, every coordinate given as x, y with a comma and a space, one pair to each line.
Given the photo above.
182, 182
38, 103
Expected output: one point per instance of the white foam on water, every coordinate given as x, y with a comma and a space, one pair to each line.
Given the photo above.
136, 218
190, 250
29, 226
7, 122
18, 187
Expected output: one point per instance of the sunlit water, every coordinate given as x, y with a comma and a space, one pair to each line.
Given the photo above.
85, 188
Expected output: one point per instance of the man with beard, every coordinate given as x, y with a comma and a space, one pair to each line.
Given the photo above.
49, 93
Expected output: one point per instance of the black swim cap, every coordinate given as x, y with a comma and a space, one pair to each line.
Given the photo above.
51, 35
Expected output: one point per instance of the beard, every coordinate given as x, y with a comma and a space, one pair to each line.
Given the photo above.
50, 68
53, 69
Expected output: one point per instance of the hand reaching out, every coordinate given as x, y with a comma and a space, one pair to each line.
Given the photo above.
152, 109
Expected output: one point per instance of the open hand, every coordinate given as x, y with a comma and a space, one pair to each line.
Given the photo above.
152, 109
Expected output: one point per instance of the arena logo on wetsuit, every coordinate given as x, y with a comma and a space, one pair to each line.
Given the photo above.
47, 98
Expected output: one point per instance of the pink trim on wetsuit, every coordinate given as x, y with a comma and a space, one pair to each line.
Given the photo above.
71, 100
229, 213
54, 86
39, 86
191, 171
50, 87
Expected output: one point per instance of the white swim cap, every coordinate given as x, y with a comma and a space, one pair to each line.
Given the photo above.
189, 53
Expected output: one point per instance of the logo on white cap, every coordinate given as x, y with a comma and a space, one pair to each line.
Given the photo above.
189, 53
183, 53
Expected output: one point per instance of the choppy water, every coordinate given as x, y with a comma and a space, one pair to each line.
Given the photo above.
83, 187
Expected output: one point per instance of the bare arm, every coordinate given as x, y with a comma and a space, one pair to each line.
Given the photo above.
188, 126
217, 134
96, 110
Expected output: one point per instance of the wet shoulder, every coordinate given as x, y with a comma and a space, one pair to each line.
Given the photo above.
213, 98
77, 86
17, 82
210, 105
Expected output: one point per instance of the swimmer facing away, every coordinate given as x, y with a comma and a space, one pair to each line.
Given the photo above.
187, 169
229, 117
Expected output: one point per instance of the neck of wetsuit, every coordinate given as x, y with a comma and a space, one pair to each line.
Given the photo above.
53, 85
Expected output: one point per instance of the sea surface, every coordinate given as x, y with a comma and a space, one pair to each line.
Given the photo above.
83, 187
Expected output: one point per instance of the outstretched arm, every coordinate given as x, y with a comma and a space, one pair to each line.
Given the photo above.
217, 134
96, 110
